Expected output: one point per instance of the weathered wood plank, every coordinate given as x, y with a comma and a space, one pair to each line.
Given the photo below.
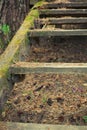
26, 68
33, 126
62, 20
63, 12
67, 5
57, 32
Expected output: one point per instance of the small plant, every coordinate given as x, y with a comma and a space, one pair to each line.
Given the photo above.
85, 118
5, 29
44, 99
5, 35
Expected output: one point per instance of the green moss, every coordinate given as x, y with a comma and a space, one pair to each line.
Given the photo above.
38, 4
27, 41
32, 14
4, 70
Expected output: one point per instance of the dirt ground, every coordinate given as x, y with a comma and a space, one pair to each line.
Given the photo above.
58, 49
48, 98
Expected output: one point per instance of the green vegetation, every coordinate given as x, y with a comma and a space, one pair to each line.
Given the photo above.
44, 99
5, 35
85, 118
38, 4
5, 29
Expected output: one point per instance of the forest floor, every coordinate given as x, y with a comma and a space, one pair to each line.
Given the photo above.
48, 98
51, 98
73, 50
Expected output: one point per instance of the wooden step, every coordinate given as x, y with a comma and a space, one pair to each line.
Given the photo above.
66, 5
57, 32
26, 68
65, 20
63, 12
33, 126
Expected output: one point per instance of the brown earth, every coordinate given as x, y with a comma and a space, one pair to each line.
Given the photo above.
48, 98
58, 49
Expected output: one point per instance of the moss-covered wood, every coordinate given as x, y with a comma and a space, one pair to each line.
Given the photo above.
8, 56
27, 126
12, 51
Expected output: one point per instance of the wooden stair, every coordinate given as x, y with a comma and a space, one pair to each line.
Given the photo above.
76, 5
57, 32
26, 68
53, 14
56, 13
63, 12
66, 20
32, 126
77, 14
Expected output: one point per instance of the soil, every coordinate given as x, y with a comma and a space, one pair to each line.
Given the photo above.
48, 98
58, 49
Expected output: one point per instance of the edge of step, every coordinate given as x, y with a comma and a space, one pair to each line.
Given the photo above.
32, 67
57, 32
32, 126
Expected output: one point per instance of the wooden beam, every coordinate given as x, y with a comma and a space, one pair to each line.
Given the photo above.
63, 12
62, 20
66, 5
34, 126
26, 68
57, 32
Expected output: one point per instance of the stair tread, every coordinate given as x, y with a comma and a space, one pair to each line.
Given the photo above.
33, 126
33, 67
62, 20
57, 32
62, 11
66, 4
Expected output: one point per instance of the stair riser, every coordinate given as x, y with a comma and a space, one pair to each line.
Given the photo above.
77, 5
27, 68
